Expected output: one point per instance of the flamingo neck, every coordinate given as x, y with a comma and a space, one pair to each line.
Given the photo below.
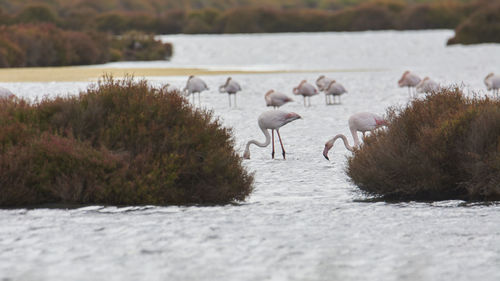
346, 142
355, 137
257, 143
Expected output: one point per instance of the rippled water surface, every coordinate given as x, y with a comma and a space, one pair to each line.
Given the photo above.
305, 220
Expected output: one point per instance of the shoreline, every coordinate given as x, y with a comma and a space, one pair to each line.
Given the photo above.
81, 73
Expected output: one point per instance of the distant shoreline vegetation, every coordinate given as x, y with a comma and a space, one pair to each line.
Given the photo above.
77, 32
443, 147
118, 143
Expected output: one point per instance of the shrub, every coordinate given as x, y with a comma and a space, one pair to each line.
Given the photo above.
482, 26
120, 142
37, 13
443, 147
140, 46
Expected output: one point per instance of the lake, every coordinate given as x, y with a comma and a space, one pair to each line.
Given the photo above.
304, 220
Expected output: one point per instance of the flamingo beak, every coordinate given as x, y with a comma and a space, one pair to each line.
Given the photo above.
325, 152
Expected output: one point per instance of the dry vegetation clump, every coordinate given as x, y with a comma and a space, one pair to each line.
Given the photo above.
483, 26
120, 143
443, 147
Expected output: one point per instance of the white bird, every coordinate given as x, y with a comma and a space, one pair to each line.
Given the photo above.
195, 85
231, 87
334, 89
427, 85
358, 122
271, 120
492, 83
322, 82
306, 90
276, 99
409, 80
5, 93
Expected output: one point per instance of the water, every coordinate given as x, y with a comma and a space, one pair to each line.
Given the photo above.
305, 220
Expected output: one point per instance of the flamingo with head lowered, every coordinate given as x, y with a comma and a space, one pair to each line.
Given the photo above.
306, 90
492, 83
195, 85
231, 87
409, 80
276, 99
427, 85
359, 122
271, 120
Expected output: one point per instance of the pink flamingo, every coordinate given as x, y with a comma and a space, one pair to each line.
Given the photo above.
427, 85
195, 85
492, 83
276, 99
231, 87
409, 80
271, 120
334, 89
6, 93
306, 90
358, 122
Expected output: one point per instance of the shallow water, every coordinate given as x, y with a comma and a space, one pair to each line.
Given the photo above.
305, 220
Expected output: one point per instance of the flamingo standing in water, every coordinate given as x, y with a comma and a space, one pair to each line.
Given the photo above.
276, 99
195, 85
271, 120
334, 89
409, 80
427, 85
358, 122
231, 88
322, 82
306, 90
6, 93
492, 83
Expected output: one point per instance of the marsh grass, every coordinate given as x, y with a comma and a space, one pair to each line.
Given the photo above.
120, 142
445, 146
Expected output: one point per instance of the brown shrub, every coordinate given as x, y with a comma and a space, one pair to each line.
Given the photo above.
121, 142
443, 147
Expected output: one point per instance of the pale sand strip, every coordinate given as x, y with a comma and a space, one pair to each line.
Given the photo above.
74, 74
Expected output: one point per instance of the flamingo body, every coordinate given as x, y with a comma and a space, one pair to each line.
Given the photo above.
195, 85
271, 120
322, 82
5, 93
359, 122
427, 85
231, 87
492, 83
276, 99
334, 89
306, 90
409, 80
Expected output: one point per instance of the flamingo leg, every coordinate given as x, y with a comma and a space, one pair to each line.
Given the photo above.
272, 134
199, 99
282, 148
339, 100
305, 104
409, 92
229, 96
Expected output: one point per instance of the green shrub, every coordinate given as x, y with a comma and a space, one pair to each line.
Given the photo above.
444, 147
121, 143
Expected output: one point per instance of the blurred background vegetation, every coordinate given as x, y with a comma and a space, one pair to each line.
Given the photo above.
96, 23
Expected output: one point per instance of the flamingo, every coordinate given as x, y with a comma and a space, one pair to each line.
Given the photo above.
195, 85
276, 99
427, 85
358, 122
492, 82
231, 87
6, 93
334, 89
271, 120
409, 80
322, 82
306, 90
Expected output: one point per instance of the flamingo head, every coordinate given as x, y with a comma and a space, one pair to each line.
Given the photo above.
190, 77
401, 80
381, 122
222, 88
246, 154
321, 77
292, 116
330, 85
328, 146
296, 90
